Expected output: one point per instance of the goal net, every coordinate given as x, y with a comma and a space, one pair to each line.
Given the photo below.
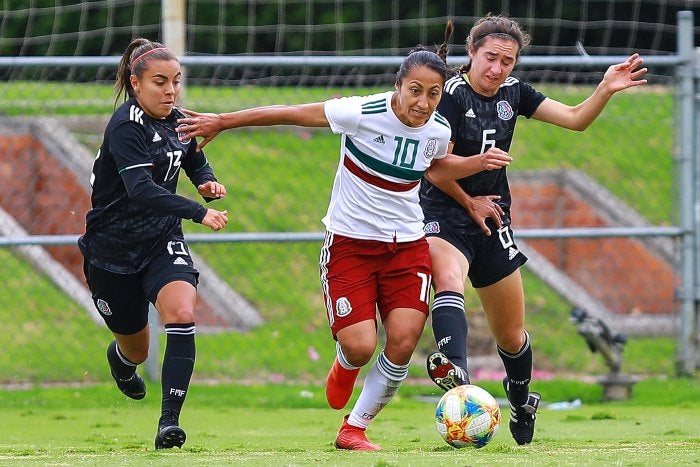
100, 28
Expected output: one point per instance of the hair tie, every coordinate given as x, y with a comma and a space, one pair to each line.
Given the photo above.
133, 62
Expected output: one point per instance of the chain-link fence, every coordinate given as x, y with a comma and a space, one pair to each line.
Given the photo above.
600, 215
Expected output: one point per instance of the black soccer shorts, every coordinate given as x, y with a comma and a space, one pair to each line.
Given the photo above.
122, 299
491, 258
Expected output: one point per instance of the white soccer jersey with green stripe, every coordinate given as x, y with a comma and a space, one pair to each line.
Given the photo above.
376, 187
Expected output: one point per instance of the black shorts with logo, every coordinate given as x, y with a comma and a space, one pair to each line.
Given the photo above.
122, 299
491, 258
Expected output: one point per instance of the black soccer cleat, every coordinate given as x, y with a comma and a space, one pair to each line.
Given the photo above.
170, 436
444, 373
522, 417
134, 387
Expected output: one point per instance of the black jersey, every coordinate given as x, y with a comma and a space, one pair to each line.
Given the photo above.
478, 123
134, 180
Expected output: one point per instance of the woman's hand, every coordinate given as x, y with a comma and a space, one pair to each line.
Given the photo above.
481, 208
206, 125
215, 220
624, 75
212, 190
494, 159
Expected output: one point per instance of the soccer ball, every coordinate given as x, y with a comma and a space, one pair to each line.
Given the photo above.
467, 416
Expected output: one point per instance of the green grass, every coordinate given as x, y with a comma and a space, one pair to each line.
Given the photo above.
280, 180
291, 425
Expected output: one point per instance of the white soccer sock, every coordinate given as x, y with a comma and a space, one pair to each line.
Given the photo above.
381, 383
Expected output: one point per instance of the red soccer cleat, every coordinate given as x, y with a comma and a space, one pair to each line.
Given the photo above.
353, 438
339, 385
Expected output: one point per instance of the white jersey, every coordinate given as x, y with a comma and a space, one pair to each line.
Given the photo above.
376, 187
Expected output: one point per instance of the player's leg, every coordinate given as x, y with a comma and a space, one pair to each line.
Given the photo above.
356, 343
124, 308
355, 346
403, 329
504, 305
124, 354
347, 268
448, 366
171, 283
175, 304
403, 296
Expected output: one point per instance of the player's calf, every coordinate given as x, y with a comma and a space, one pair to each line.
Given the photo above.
339, 385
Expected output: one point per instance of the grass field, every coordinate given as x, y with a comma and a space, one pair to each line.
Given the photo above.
291, 425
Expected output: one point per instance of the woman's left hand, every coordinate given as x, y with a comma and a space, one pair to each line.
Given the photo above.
625, 75
212, 190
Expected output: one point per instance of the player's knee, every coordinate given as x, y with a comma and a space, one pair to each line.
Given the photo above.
358, 353
513, 341
135, 354
181, 314
399, 354
448, 279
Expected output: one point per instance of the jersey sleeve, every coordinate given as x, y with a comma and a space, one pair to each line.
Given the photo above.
448, 108
135, 169
128, 147
530, 99
197, 168
343, 114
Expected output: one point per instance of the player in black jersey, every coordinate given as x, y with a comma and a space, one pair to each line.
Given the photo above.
468, 221
134, 248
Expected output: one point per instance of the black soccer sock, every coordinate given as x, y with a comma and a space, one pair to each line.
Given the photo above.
450, 326
178, 363
121, 366
518, 370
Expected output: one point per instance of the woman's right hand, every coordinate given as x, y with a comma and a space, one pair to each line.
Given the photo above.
494, 158
215, 220
206, 125
481, 208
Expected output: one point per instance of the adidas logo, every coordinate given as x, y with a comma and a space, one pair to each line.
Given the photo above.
512, 252
156, 137
379, 139
470, 113
180, 261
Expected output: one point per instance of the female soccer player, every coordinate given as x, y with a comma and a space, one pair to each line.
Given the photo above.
468, 221
375, 256
133, 245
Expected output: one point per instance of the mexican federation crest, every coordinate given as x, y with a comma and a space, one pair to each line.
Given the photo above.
504, 110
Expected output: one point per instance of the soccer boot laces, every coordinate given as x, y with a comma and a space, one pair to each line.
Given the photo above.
444, 373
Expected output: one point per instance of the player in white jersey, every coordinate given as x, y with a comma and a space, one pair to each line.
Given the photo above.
375, 256
379, 154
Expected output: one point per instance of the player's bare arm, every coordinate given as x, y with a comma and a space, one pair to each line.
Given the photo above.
208, 125
617, 78
454, 167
